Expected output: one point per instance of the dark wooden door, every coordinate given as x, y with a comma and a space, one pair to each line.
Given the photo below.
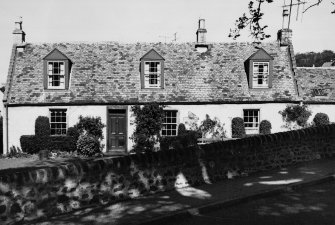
117, 130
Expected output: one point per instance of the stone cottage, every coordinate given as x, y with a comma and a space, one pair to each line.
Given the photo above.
224, 80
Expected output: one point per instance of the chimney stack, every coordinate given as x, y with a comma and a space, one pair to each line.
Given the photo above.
284, 35
201, 44
18, 34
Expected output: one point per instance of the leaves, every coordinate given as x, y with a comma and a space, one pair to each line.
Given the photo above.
253, 20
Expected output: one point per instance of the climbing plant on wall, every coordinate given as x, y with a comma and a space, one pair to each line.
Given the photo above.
149, 122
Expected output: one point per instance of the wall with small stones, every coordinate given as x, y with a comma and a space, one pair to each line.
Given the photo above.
30, 193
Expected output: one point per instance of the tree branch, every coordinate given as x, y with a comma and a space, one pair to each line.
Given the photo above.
315, 4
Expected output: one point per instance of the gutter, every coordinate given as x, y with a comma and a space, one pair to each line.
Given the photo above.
5, 103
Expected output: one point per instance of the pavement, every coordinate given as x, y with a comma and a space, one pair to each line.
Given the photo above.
166, 207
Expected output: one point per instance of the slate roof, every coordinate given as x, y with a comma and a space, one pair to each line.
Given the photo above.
310, 78
108, 72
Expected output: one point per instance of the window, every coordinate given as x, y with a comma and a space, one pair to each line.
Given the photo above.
56, 75
58, 121
260, 74
152, 73
170, 123
318, 92
251, 120
152, 70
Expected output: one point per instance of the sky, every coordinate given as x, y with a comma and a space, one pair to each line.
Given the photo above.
153, 21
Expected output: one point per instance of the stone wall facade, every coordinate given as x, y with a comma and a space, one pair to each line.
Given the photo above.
29, 193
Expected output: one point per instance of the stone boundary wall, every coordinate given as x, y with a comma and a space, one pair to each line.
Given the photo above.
31, 193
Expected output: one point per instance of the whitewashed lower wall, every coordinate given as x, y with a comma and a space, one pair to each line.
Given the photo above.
21, 120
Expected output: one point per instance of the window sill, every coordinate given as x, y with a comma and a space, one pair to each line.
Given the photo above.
50, 90
260, 88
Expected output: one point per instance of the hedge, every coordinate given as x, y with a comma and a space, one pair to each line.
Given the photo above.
265, 127
31, 144
237, 128
321, 119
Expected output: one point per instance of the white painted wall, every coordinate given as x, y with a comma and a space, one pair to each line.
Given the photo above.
328, 109
22, 119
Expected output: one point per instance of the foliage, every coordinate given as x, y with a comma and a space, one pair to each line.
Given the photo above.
90, 125
28, 144
192, 121
88, 145
265, 127
87, 134
321, 119
149, 122
73, 132
62, 143
42, 126
183, 140
181, 129
31, 144
317, 59
253, 19
237, 128
212, 127
295, 114
16, 152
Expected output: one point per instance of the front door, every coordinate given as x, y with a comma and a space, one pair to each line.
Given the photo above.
117, 131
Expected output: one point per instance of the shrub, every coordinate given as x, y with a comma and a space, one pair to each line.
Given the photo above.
296, 114
166, 142
186, 139
265, 127
91, 125
321, 119
42, 126
74, 133
28, 144
88, 145
237, 127
181, 129
62, 143
148, 121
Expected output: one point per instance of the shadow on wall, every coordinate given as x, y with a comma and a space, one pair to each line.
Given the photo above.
75, 184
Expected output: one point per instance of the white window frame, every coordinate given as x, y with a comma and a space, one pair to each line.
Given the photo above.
147, 74
254, 128
61, 75
263, 76
174, 131
58, 122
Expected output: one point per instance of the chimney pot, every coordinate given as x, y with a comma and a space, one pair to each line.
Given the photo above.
19, 35
201, 45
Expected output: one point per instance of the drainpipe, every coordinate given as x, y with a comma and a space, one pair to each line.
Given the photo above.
6, 106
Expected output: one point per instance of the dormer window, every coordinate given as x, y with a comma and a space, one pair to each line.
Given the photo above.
56, 71
152, 74
260, 75
152, 70
56, 75
259, 69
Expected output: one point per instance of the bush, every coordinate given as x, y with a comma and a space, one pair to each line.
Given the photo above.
74, 133
186, 139
237, 127
149, 122
62, 143
42, 126
265, 127
321, 119
181, 129
296, 113
91, 125
28, 144
88, 145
